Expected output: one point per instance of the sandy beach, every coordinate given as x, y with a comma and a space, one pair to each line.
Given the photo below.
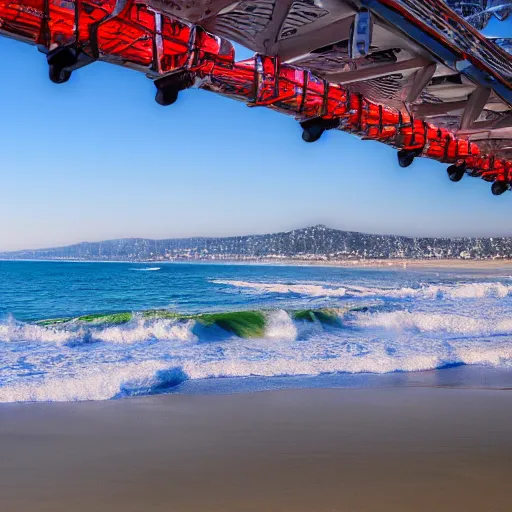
323, 450
430, 264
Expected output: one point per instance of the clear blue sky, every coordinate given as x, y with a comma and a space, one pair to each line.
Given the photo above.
97, 158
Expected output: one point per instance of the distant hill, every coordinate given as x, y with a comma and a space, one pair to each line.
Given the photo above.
312, 243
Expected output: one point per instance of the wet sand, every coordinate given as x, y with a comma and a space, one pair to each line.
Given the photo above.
323, 450
430, 264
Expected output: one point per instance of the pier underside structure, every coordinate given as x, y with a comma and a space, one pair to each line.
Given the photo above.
413, 75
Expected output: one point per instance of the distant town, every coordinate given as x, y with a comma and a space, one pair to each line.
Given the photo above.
313, 244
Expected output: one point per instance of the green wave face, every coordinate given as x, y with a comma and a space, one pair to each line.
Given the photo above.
328, 316
324, 316
49, 322
244, 324
164, 314
96, 319
114, 319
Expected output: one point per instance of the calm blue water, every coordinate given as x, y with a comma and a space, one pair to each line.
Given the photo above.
412, 321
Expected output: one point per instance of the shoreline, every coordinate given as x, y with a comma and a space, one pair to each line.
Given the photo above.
327, 450
357, 264
457, 377
470, 377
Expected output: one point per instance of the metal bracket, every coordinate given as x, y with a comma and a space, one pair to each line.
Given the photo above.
361, 35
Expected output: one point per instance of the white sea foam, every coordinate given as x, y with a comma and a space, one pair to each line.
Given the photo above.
109, 381
278, 354
135, 331
149, 377
433, 322
148, 269
456, 291
301, 289
485, 354
100, 383
12, 331
287, 363
139, 330
280, 326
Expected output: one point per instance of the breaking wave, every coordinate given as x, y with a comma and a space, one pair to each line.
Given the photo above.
153, 352
455, 291
300, 289
430, 322
103, 383
135, 331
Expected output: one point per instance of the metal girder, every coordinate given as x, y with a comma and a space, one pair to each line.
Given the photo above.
496, 125
419, 81
371, 72
504, 122
299, 45
198, 11
474, 107
270, 34
486, 133
438, 109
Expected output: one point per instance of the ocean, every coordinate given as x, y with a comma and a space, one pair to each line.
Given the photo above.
100, 331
